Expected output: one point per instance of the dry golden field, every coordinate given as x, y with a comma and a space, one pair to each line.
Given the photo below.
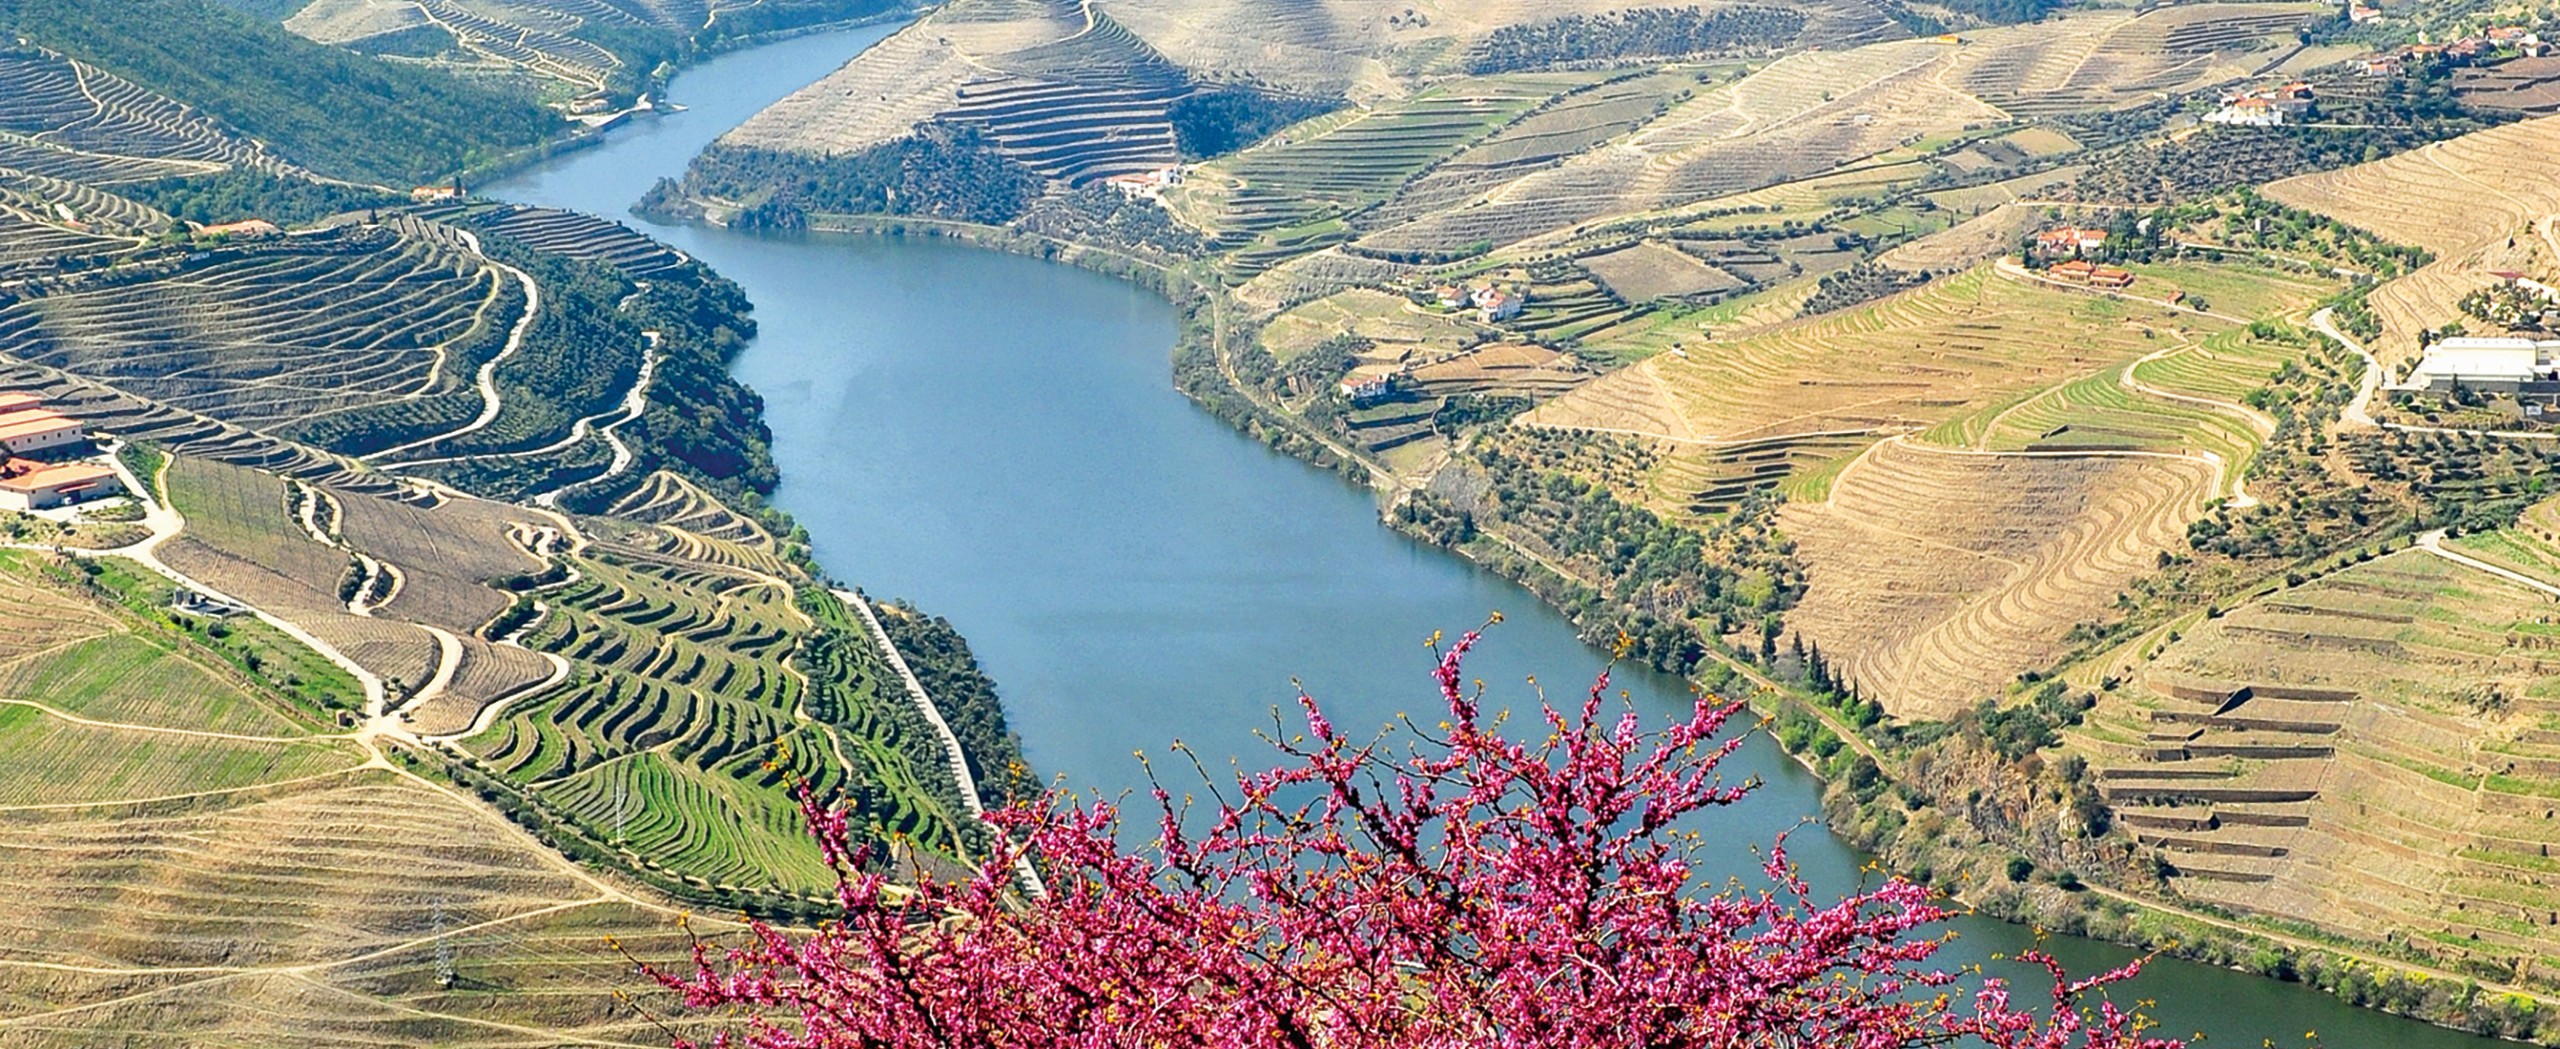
1903, 363
2041, 449
318, 912
198, 859
1934, 576
2480, 203
1971, 243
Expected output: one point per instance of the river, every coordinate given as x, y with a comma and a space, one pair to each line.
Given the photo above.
997, 438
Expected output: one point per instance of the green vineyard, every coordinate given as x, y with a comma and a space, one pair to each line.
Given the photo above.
703, 694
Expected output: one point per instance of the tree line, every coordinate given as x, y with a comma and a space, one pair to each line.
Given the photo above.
941, 171
1645, 33
332, 110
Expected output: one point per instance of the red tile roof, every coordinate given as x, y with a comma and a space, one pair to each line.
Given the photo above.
57, 478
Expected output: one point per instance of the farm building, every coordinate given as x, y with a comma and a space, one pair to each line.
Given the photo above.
1145, 185
1365, 390
26, 485
2495, 365
1496, 304
2247, 112
36, 430
198, 603
434, 194
2070, 240
19, 402
2083, 271
2266, 106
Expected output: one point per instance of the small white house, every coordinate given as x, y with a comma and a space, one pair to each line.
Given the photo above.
2248, 112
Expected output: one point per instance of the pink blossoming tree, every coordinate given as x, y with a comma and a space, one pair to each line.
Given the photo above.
1462, 889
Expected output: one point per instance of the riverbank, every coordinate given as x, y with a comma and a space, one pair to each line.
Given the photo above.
585, 136
1958, 856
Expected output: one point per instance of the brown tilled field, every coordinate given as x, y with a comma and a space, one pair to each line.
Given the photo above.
1971, 243
241, 541
1934, 576
1652, 270
1506, 369
446, 554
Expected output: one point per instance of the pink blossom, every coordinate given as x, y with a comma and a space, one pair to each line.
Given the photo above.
1448, 887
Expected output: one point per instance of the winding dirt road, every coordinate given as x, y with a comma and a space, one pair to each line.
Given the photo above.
491, 401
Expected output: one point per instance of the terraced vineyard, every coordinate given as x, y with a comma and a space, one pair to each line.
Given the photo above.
1572, 124
699, 680
1799, 117
2372, 750
2467, 200
65, 119
269, 921
135, 419
1352, 161
2112, 61
700, 684
248, 777
281, 333
901, 82
531, 38
57, 200
32, 246
1906, 362
584, 237
1930, 573
2049, 447
1065, 90
204, 860
2147, 407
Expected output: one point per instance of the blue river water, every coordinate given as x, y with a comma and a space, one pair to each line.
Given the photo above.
997, 438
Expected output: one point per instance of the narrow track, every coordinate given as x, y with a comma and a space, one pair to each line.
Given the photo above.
491, 400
